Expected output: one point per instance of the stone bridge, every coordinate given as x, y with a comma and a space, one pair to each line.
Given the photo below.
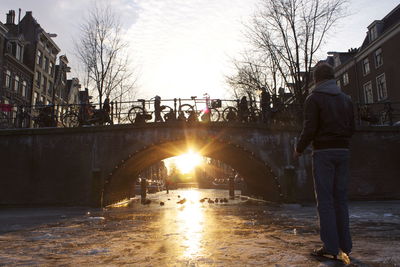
99, 165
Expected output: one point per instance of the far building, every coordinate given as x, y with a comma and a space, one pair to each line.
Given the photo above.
41, 56
371, 73
28, 56
16, 83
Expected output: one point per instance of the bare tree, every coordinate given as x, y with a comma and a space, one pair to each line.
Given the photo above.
102, 51
289, 33
254, 72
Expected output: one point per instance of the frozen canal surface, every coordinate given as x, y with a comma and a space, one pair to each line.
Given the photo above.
242, 232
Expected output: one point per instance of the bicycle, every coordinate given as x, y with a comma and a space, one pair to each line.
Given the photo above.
5, 116
85, 115
209, 113
252, 114
139, 114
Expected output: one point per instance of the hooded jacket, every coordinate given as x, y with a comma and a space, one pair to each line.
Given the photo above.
328, 118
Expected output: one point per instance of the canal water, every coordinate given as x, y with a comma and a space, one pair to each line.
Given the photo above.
184, 228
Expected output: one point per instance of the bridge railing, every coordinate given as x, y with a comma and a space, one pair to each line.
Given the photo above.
378, 114
141, 111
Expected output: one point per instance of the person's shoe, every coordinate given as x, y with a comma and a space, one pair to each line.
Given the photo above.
345, 257
322, 252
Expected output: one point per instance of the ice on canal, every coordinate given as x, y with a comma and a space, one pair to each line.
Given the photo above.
240, 232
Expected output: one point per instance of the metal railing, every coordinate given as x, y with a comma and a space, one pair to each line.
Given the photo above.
378, 114
142, 111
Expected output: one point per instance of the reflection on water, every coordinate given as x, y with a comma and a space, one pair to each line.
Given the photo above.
184, 224
191, 223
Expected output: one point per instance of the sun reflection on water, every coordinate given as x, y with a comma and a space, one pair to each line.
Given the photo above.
191, 223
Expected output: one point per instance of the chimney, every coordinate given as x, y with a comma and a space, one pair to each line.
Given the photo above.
10, 17
28, 13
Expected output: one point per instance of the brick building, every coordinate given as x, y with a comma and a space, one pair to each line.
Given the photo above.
28, 57
371, 73
16, 80
41, 56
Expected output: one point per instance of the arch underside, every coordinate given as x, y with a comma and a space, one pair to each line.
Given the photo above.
259, 178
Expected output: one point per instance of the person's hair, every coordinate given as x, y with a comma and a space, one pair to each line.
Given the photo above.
323, 71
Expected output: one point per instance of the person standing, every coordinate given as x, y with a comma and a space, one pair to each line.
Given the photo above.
265, 103
329, 125
243, 109
157, 109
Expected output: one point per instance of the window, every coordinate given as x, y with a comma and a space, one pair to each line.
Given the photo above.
35, 98
7, 82
381, 87
378, 58
43, 100
24, 89
345, 78
51, 68
366, 69
373, 33
368, 96
46, 64
44, 84
38, 78
39, 58
16, 83
18, 52
50, 87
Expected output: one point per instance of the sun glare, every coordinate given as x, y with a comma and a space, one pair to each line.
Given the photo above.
188, 161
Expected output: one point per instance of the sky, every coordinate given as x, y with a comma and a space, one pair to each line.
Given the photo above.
183, 48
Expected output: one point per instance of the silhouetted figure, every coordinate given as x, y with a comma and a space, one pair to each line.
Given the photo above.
265, 103
157, 109
167, 182
106, 105
231, 116
106, 111
243, 109
21, 115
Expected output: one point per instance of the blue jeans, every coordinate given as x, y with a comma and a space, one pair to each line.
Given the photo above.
331, 175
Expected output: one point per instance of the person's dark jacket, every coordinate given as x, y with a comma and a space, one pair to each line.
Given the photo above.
328, 118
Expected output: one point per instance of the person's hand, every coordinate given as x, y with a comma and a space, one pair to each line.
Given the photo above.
296, 154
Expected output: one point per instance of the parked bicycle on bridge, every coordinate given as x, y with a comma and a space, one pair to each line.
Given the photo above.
209, 113
87, 114
243, 112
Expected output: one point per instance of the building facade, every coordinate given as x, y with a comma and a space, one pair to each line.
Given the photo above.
30, 73
16, 80
371, 73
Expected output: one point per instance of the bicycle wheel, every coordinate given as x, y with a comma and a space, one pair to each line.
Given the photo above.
214, 114
70, 119
168, 113
185, 111
230, 114
136, 114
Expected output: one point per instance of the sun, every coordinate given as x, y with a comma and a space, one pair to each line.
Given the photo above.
188, 161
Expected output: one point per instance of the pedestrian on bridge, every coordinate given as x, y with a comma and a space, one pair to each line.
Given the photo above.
329, 125
265, 103
243, 109
157, 109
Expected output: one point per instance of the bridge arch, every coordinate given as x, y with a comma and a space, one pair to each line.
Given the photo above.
258, 175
